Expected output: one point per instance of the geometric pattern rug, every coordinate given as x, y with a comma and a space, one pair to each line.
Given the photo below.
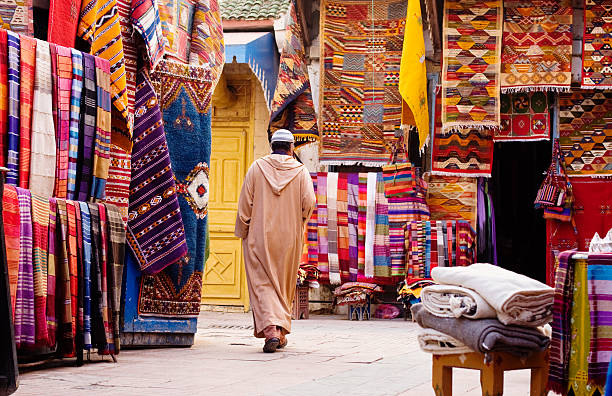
596, 54
524, 117
452, 198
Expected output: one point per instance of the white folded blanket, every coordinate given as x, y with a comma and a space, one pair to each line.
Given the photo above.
518, 300
456, 301
433, 341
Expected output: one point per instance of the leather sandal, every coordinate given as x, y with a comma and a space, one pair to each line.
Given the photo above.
271, 345
283, 343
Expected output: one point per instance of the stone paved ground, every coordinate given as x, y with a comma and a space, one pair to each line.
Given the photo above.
327, 355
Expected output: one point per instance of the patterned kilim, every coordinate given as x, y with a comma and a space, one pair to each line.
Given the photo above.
537, 45
62, 91
130, 52
86, 280
596, 57
116, 258
361, 106
461, 152
312, 231
24, 305
155, 228
27, 67
101, 158
585, 136
322, 230
64, 15
117, 189
12, 162
184, 94
10, 217
17, 16
176, 22
87, 126
75, 118
524, 117
40, 235
145, 19
3, 96
207, 45
382, 252
65, 335
452, 198
599, 274
471, 63
292, 107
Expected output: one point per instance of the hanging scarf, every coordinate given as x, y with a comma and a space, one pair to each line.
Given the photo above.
52, 241
599, 280
117, 190
381, 232
146, 21
312, 230
98, 335
26, 97
332, 228
66, 336
3, 96
40, 234
87, 126
86, 232
361, 221
105, 300
343, 227
72, 247
101, 159
370, 225
63, 88
43, 149
12, 163
207, 46
10, 217
152, 177
116, 257
79, 341
75, 117
322, 228
64, 20
100, 27
353, 225
24, 306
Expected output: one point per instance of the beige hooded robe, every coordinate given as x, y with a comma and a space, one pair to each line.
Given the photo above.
276, 200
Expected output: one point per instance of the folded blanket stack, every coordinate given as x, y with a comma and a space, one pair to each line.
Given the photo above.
486, 308
355, 292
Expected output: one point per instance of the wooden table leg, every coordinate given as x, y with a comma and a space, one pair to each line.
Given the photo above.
539, 376
442, 378
492, 380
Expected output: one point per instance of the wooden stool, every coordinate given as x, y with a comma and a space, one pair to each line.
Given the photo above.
300, 303
491, 373
360, 311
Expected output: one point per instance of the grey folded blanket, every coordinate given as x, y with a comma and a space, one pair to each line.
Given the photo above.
484, 335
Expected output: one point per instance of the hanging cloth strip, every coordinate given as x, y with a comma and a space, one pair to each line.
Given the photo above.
24, 305
87, 126
362, 212
599, 280
116, 258
101, 159
40, 235
13, 109
370, 225
43, 144
75, 118
66, 336
117, 190
332, 228
104, 300
65, 19
98, 334
10, 217
322, 229
343, 227
63, 88
312, 230
52, 259
72, 250
353, 226
3, 96
26, 99
146, 21
79, 340
381, 231
86, 232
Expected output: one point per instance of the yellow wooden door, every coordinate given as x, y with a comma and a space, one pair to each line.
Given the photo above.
224, 280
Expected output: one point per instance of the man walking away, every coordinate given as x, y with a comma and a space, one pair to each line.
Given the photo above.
276, 201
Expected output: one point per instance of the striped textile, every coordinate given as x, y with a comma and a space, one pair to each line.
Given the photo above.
73, 264
399, 180
65, 20
65, 334
152, 177
80, 309
25, 328
43, 144
361, 221
11, 219
12, 162
87, 128
100, 27
599, 280
98, 337
312, 230
322, 230
75, 118
63, 89
86, 231
332, 228
116, 257
343, 225
105, 300
3, 96
40, 234
53, 52
370, 224
560, 344
398, 216
146, 21
130, 53
353, 225
51, 272
117, 189
26, 99
101, 159
207, 46
381, 231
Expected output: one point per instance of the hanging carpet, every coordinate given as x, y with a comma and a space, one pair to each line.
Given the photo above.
524, 117
452, 198
596, 56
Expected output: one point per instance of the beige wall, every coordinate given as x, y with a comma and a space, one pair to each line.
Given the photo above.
261, 147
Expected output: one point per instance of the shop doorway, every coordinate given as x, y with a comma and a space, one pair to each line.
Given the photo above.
521, 231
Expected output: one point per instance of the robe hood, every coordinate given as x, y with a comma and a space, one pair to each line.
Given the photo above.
279, 170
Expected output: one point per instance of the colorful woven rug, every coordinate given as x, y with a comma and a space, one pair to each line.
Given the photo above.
524, 117
537, 46
461, 152
452, 198
117, 190
26, 98
361, 106
176, 22
207, 44
40, 237
599, 274
184, 94
584, 133
292, 107
145, 20
471, 63
596, 56
24, 305
64, 15
17, 16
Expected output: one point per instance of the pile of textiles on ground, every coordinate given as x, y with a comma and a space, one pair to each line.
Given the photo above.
355, 293
65, 266
483, 308
356, 232
308, 275
409, 291
444, 243
55, 123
